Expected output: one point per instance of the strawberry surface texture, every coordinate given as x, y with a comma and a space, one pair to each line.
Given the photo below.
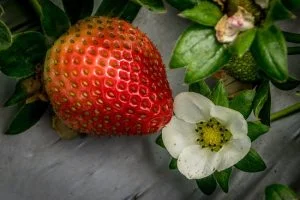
105, 77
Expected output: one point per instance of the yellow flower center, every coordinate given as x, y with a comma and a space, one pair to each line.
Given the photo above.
212, 134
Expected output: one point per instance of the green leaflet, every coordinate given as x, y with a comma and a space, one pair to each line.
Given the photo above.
5, 36
222, 178
54, 21
252, 162
243, 42
153, 5
290, 84
198, 50
279, 192
205, 13
28, 115
265, 112
183, 4
207, 185
124, 9
200, 87
78, 9
261, 97
278, 11
256, 129
20, 59
159, 141
219, 95
270, 51
173, 164
243, 102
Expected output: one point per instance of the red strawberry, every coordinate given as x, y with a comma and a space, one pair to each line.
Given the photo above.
106, 77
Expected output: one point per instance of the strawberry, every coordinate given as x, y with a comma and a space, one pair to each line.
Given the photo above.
104, 76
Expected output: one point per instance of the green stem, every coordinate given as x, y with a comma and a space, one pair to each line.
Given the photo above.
293, 50
37, 7
291, 37
285, 112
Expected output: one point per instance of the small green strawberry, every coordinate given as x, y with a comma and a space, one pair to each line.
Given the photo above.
104, 77
243, 69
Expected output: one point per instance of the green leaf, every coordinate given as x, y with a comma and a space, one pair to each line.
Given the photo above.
243, 102
183, 4
20, 94
292, 4
219, 95
159, 141
200, 87
130, 11
252, 162
278, 11
265, 113
256, 129
54, 21
279, 192
243, 42
198, 49
78, 9
205, 13
260, 97
222, 178
20, 59
28, 115
290, 84
291, 37
173, 164
270, 52
207, 185
153, 5
5, 36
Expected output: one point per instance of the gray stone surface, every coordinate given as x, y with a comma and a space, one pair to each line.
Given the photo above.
37, 165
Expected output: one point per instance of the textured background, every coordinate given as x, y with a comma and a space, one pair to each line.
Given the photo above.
38, 165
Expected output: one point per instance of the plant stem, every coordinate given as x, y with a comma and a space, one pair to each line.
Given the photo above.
293, 50
37, 7
285, 112
291, 37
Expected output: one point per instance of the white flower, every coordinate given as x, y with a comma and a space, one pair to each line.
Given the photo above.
262, 3
204, 137
228, 28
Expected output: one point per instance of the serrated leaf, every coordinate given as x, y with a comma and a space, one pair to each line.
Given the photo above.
222, 178
130, 11
270, 52
183, 4
256, 129
153, 5
54, 21
243, 102
278, 11
243, 42
290, 84
198, 50
28, 115
159, 141
200, 87
78, 9
279, 192
207, 185
173, 164
219, 95
5, 36
260, 97
252, 162
205, 13
20, 59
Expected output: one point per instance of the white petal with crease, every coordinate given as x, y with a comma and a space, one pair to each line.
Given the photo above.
192, 107
233, 151
196, 162
178, 135
231, 119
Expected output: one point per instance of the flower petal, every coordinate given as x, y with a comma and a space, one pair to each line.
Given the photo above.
178, 135
234, 151
231, 119
196, 162
192, 107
